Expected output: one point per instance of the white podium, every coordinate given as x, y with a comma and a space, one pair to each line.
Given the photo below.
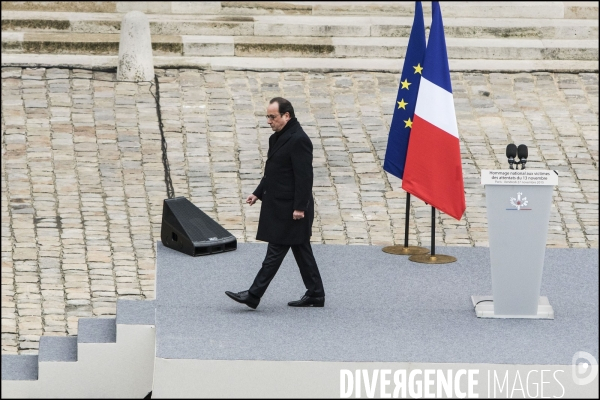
518, 210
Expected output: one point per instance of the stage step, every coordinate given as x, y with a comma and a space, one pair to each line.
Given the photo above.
58, 348
97, 330
292, 25
131, 312
109, 357
521, 9
322, 47
17, 367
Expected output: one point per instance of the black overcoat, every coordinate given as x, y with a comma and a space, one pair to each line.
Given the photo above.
287, 186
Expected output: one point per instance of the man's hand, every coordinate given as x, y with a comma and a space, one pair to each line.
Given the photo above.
251, 199
298, 214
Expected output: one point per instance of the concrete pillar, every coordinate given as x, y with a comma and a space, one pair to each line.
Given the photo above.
135, 49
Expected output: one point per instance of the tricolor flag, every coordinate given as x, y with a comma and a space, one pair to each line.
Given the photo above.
433, 170
404, 107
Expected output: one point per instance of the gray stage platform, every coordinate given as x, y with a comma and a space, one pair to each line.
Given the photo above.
379, 307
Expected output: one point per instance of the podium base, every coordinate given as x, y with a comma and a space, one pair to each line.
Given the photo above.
405, 251
485, 309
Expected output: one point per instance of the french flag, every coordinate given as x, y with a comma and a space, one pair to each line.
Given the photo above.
433, 170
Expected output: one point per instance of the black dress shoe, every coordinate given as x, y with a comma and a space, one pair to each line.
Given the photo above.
307, 301
245, 297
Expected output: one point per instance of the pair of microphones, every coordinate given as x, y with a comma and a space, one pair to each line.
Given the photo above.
513, 151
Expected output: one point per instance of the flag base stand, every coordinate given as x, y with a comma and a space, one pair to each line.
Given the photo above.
405, 250
432, 259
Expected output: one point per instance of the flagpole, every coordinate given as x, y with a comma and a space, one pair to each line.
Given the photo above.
405, 250
432, 231
406, 219
432, 258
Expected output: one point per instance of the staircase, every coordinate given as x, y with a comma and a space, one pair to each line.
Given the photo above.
110, 357
495, 36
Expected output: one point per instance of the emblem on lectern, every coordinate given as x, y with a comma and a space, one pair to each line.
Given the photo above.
519, 202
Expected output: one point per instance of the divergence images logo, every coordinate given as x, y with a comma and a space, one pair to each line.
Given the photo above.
585, 368
519, 203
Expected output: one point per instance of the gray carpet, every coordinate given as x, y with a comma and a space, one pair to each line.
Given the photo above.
379, 307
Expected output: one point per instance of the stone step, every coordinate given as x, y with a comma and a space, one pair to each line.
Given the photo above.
58, 348
136, 312
20, 367
285, 64
97, 330
327, 26
91, 363
479, 9
458, 27
336, 47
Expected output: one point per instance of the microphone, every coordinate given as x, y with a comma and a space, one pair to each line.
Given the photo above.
511, 153
523, 153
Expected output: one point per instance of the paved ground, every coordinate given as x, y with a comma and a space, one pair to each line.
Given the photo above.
83, 181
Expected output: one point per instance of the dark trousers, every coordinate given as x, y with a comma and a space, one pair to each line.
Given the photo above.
305, 260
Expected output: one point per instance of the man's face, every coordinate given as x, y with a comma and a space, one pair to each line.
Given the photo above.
277, 121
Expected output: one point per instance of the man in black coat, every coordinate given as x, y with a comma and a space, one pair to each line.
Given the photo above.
287, 211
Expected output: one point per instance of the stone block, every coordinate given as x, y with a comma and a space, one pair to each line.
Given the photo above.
135, 49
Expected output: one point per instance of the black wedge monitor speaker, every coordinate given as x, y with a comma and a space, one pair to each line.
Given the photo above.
187, 229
